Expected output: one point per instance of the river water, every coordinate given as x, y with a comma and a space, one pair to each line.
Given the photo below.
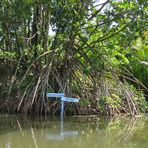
18, 131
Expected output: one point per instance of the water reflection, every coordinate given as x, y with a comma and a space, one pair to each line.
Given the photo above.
62, 134
44, 132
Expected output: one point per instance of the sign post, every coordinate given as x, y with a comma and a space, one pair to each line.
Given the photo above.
62, 132
63, 100
62, 109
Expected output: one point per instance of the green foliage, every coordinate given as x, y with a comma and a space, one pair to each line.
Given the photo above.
6, 54
85, 102
113, 101
86, 57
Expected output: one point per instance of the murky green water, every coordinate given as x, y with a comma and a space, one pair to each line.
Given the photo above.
46, 132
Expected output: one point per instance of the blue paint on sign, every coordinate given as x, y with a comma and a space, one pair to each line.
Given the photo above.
57, 95
63, 99
70, 99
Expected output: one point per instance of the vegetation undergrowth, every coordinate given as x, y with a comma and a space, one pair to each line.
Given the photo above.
96, 52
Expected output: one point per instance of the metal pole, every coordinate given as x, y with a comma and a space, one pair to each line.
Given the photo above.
62, 109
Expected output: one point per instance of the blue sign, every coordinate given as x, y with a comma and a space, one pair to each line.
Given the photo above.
56, 95
70, 99
63, 99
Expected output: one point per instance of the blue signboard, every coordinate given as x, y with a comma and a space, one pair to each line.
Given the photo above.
75, 100
57, 95
63, 99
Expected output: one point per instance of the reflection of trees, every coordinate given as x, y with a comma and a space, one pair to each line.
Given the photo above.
124, 128
99, 132
36, 127
13, 123
10, 123
120, 131
116, 132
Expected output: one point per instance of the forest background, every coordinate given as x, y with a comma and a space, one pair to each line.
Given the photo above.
98, 52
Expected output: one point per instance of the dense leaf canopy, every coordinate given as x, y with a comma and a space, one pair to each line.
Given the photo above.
97, 49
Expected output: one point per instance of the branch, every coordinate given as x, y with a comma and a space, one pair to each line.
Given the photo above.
94, 15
